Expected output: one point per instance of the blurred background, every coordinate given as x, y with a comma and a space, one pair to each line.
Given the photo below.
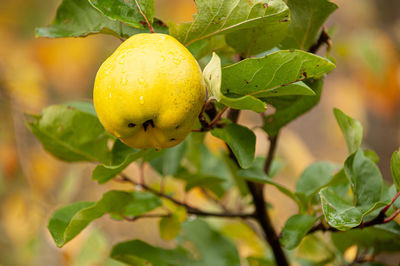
35, 73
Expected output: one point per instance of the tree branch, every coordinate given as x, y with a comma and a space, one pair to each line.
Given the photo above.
150, 215
214, 116
324, 38
257, 192
189, 209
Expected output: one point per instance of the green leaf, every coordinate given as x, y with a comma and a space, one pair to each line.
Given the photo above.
212, 77
314, 177
241, 140
105, 172
341, 214
203, 180
168, 163
296, 227
255, 261
224, 16
255, 174
395, 169
275, 74
288, 108
127, 12
382, 238
70, 134
202, 165
307, 18
239, 182
206, 47
86, 107
351, 128
67, 222
211, 247
137, 252
366, 178
77, 18
252, 41
169, 227
143, 202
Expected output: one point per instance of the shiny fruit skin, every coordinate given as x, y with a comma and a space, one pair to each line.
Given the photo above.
149, 92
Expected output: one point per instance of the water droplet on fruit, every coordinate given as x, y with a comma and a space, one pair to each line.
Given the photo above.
124, 80
121, 59
141, 100
176, 61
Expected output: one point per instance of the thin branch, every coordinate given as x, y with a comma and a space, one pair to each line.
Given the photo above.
257, 192
217, 117
391, 217
150, 215
324, 38
147, 21
212, 198
189, 209
205, 126
391, 203
271, 151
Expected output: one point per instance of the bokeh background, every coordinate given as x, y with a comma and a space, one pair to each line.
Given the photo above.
35, 73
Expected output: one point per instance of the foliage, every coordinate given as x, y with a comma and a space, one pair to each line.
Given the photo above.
350, 200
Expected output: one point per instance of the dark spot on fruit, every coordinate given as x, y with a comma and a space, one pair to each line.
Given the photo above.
172, 139
148, 123
178, 126
131, 125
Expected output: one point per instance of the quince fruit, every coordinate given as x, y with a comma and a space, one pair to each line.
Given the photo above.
149, 92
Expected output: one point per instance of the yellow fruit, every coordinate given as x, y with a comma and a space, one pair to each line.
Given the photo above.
149, 92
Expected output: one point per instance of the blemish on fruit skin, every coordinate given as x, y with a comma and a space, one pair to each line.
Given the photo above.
141, 100
172, 139
131, 125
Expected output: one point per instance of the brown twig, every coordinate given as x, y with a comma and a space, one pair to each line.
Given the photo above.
189, 209
324, 38
150, 215
205, 126
257, 192
217, 118
147, 21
